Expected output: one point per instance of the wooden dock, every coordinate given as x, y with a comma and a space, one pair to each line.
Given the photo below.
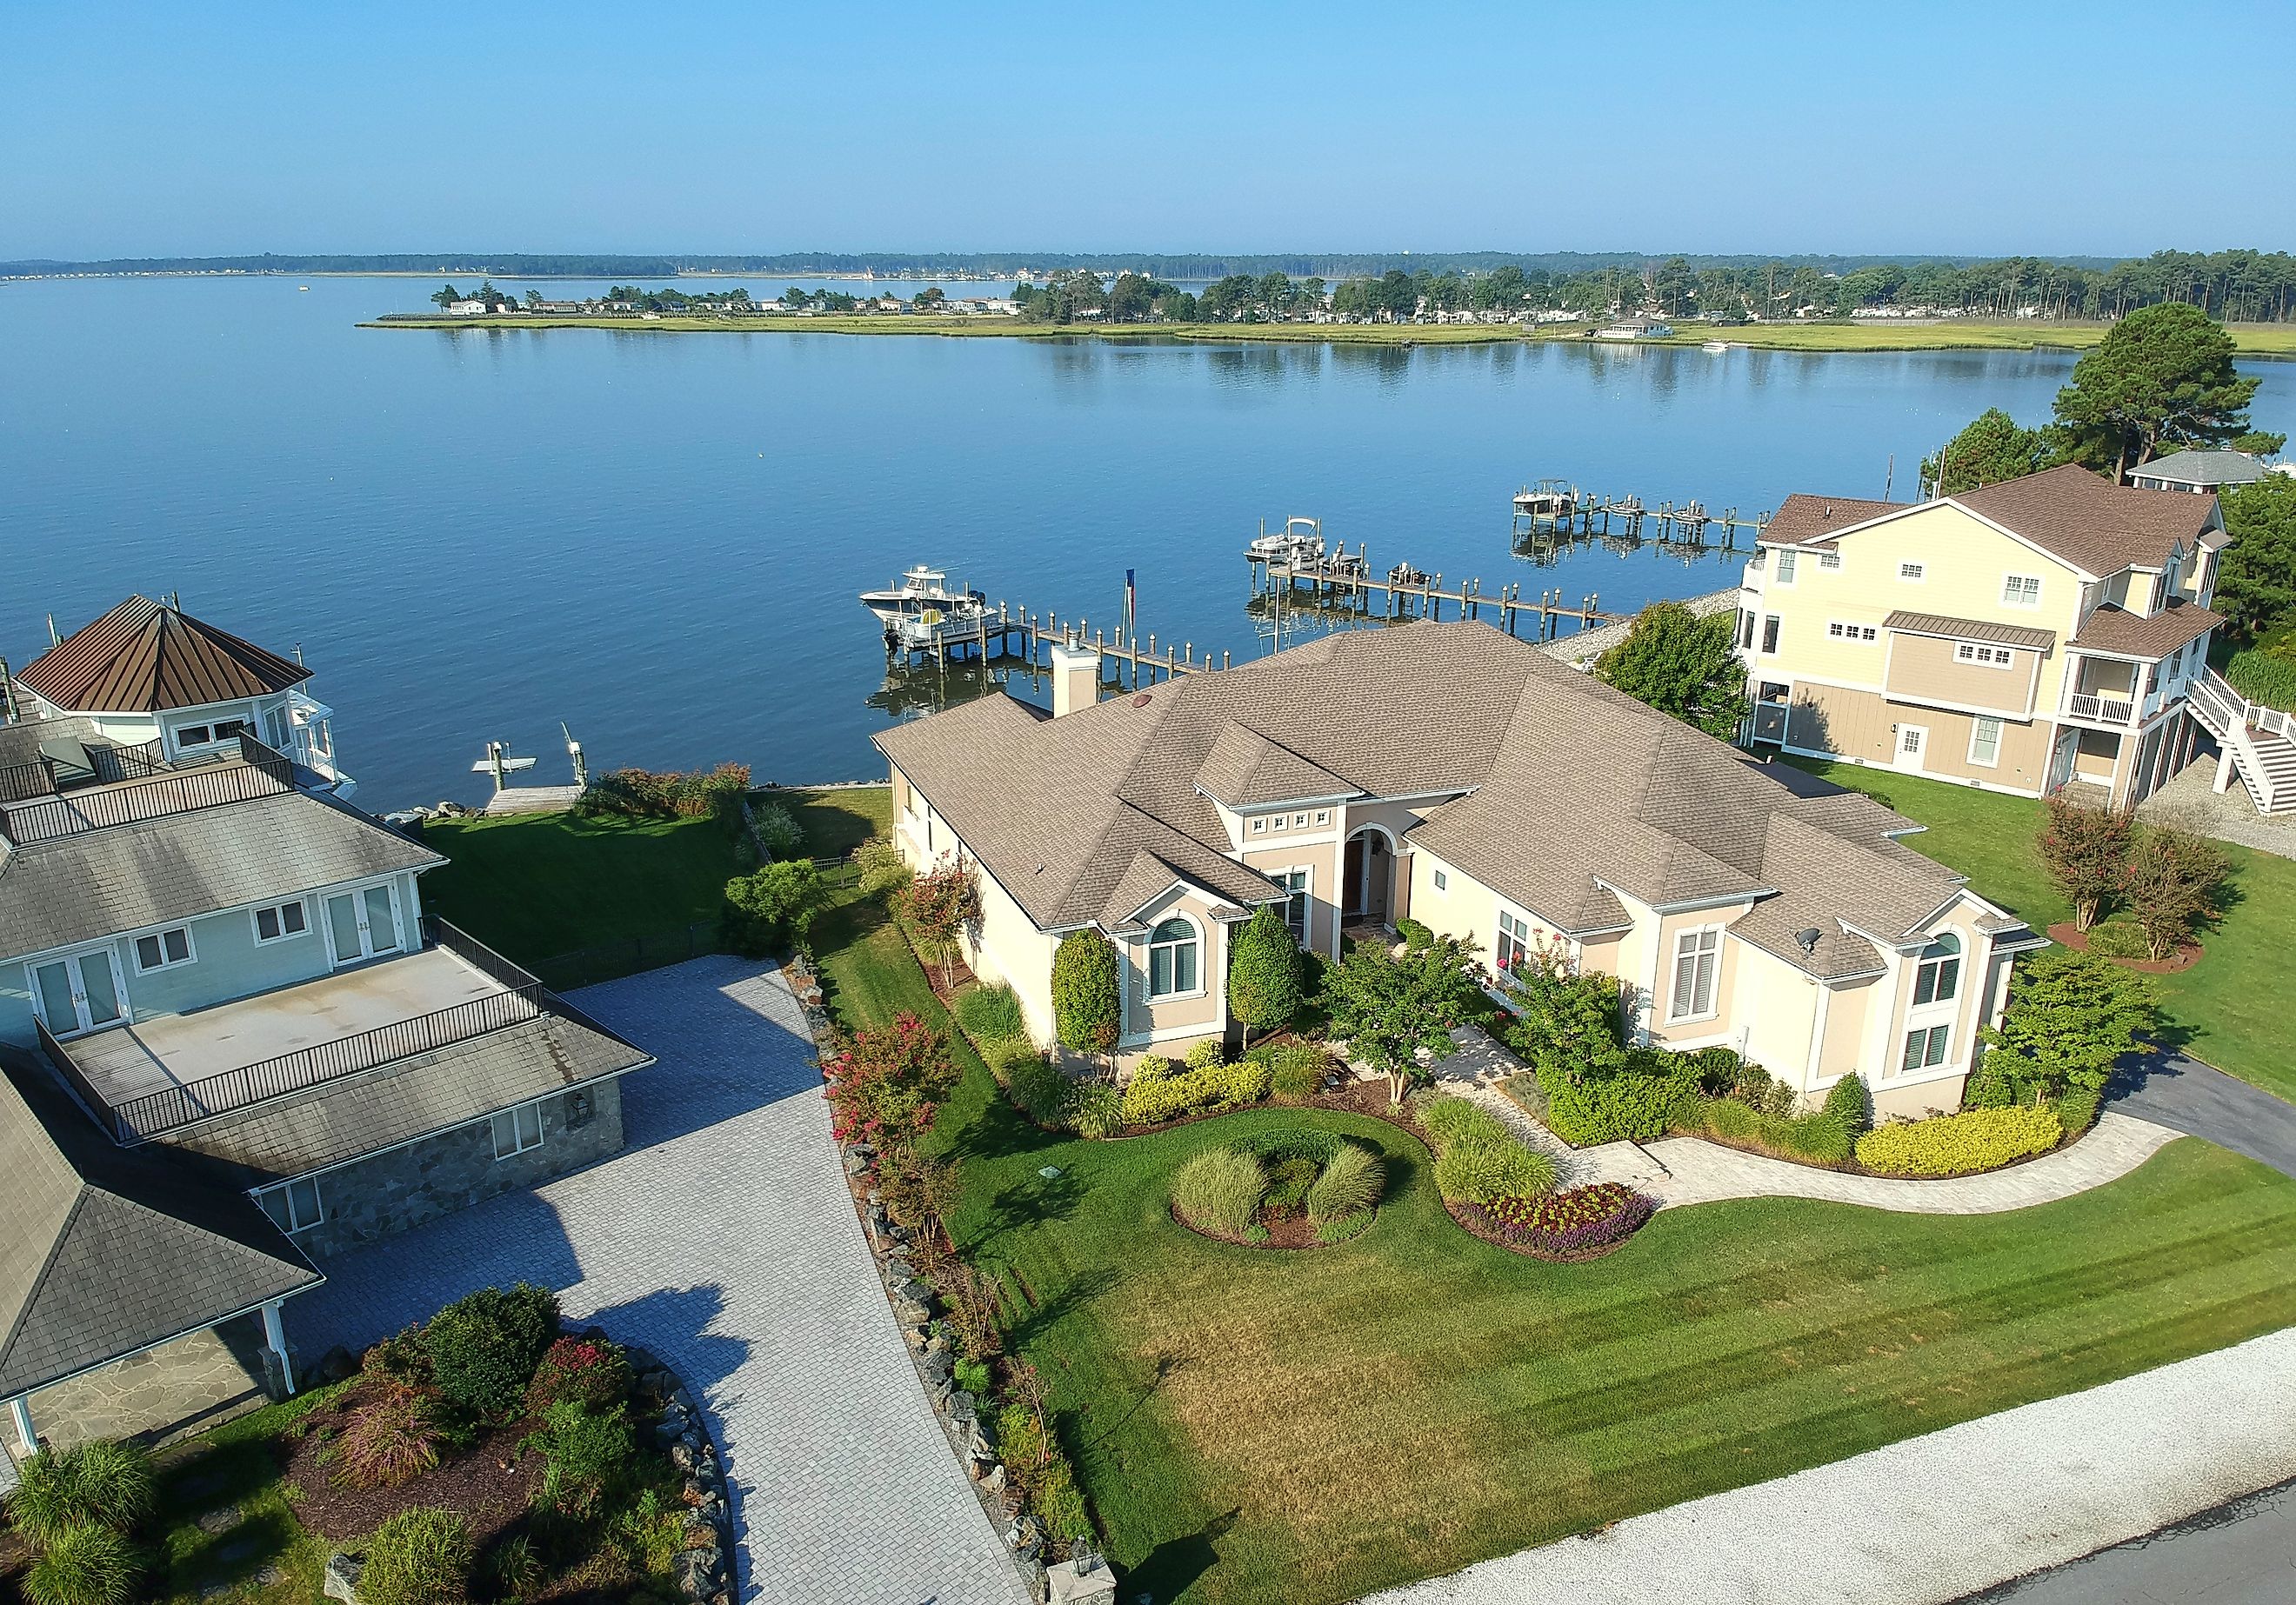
1562, 515
1340, 582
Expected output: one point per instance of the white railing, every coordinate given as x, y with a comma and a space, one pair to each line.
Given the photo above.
2237, 722
2105, 709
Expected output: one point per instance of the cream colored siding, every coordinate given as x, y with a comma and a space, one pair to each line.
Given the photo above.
1199, 1014
1861, 725
1847, 1014
1006, 946
1927, 668
1320, 859
1719, 1023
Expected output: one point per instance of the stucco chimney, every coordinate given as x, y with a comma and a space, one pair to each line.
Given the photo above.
1076, 678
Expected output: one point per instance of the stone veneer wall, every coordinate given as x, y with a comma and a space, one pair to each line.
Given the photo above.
388, 1193
182, 1387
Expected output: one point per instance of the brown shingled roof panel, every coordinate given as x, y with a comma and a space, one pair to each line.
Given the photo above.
2110, 629
2087, 519
141, 656
1803, 517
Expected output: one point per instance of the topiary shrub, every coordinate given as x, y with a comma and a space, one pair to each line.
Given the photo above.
86, 1564
1848, 1102
582, 1371
99, 1483
1205, 1054
1085, 1004
1220, 1191
1975, 1139
419, 1557
1264, 981
991, 1011
1484, 1171
1296, 1072
485, 1345
1350, 1183
390, 1440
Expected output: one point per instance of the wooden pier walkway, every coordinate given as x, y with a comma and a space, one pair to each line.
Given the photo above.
1564, 513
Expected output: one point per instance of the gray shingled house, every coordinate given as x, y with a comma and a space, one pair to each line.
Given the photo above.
234, 1046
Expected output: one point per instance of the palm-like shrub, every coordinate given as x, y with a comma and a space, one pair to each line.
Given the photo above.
101, 1482
84, 1565
1219, 1191
1482, 1173
1349, 1185
390, 1440
419, 1557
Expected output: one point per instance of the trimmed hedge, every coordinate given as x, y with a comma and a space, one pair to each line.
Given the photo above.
1636, 1103
1961, 1145
1157, 1093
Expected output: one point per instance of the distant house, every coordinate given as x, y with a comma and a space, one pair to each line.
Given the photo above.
1634, 328
466, 308
230, 1031
2198, 472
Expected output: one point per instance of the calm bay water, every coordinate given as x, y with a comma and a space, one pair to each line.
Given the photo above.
659, 538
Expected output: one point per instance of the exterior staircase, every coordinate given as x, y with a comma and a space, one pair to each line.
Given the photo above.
2258, 743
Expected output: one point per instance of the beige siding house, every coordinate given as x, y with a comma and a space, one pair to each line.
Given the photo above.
1469, 781
2048, 632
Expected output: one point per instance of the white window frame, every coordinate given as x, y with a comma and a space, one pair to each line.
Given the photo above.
1937, 1048
255, 921
1705, 955
182, 734
1303, 893
1984, 654
1912, 573
1829, 562
1148, 959
1788, 562
1841, 629
1259, 825
358, 893
75, 962
2015, 589
167, 961
1977, 723
1322, 816
1442, 881
285, 1191
520, 1141
1515, 931
1931, 966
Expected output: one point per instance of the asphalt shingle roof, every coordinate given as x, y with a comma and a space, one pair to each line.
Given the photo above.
2209, 468
97, 883
2110, 629
105, 1251
1802, 518
1567, 791
2098, 526
141, 656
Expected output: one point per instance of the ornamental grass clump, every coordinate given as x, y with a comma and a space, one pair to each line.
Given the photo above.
1297, 1072
1566, 1224
1450, 1122
419, 1557
391, 1439
1483, 1173
991, 1011
1349, 1185
1961, 1145
101, 1482
84, 1565
1219, 1192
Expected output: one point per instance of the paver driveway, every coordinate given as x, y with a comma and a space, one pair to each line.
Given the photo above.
724, 1239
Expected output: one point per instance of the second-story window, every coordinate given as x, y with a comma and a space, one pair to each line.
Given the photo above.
1770, 634
1697, 963
1787, 562
207, 735
1829, 562
164, 949
1840, 631
1912, 571
1295, 906
2021, 590
1939, 978
293, 1206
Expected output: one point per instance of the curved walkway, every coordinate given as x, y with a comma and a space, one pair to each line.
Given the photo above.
1692, 1170
723, 1239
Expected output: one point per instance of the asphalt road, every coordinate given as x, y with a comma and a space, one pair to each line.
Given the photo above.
2200, 1100
2241, 1554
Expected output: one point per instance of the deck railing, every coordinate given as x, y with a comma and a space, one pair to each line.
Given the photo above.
164, 792
2109, 710
24, 782
59, 1056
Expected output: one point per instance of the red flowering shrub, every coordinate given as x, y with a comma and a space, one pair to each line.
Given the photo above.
1564, 1222
886, 1087
591, 1374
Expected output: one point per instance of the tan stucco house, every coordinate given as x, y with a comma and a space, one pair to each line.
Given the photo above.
2046, 632
1469, 780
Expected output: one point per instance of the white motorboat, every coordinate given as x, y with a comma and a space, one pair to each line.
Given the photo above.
921, 607
1550, 499
1300, 542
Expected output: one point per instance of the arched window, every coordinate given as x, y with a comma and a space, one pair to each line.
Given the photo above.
1939, 976
1172, 958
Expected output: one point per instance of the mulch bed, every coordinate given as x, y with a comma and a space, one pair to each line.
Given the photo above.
491, 1483
1475, 1229
1291, 1230
2187, 954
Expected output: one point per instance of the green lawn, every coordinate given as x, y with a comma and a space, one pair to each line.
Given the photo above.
2225, 1010
1254, 1425
268, 1558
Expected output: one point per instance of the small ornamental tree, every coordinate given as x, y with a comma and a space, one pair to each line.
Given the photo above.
1085, 1001
1391, 1010
2172, 882
1568, 1022
940, 903
2086, 849
1263, 975
776, 903
2072, 1018
1682, 664
885, 1089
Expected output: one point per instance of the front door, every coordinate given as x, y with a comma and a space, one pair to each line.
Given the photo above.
1912, 741
363, 924
81, 992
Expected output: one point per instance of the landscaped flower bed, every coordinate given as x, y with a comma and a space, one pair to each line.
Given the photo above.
1578, 1223
1297, 1187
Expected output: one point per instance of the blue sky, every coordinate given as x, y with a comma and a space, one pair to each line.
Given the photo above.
2096, 128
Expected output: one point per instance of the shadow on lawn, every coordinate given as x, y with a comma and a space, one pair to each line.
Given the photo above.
1168, 1570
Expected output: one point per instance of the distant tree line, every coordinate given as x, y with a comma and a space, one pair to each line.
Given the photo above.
2233, 285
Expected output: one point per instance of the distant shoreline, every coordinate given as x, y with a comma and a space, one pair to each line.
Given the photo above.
2259, 340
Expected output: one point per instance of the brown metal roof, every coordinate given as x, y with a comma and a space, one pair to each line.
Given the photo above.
2111, 629
1804, 518
2098, 526
141, 656
1971, 629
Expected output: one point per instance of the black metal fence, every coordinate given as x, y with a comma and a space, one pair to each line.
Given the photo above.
611, 961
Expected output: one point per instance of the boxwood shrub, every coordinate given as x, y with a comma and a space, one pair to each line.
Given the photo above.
1656, 1091
1157, 1092
485, 1345
1975, 1139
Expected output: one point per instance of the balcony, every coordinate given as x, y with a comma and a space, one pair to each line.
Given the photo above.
120, 785
159, 1075
2118, 709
